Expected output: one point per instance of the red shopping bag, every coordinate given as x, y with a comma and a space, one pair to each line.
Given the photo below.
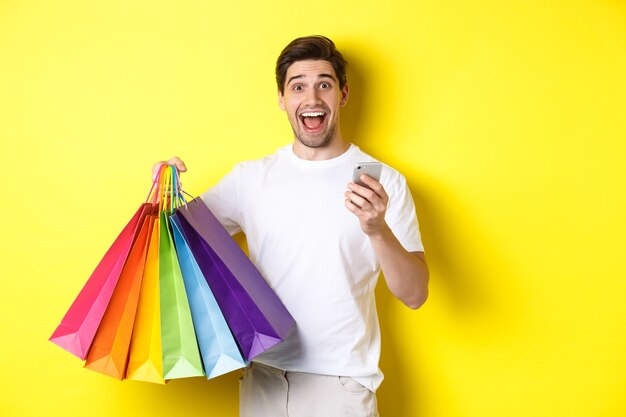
78, 327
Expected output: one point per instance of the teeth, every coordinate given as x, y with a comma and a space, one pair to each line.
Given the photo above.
313, 114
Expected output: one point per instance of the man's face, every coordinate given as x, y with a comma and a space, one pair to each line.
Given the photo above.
312, 100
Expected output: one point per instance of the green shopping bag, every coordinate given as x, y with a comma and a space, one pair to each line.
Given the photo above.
181, 355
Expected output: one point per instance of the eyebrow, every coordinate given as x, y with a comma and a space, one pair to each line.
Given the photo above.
295, 77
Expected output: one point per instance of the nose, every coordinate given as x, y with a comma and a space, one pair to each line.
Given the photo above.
312, 97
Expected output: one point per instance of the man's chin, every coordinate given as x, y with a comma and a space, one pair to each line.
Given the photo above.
318, 140
314, 142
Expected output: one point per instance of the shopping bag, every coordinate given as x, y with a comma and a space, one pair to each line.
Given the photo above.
110, 348
145, 361
255, 314
181, 357
218, 347
78, 327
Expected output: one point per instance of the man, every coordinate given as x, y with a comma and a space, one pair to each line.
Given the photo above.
320, 246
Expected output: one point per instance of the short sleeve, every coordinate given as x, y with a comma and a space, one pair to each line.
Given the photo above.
223, 200
401, 216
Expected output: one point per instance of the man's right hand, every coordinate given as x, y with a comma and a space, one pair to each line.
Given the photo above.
176, 161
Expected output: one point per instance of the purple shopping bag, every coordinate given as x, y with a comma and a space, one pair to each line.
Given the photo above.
254, 313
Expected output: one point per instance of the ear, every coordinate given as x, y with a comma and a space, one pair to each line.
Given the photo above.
281, 101
345, 92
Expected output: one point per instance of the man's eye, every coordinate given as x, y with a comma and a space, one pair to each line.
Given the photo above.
297, 87
324, 85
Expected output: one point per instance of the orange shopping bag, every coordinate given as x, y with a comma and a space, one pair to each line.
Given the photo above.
110, 348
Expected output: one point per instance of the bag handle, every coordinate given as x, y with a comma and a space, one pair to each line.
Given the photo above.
163, 186
171, 196
166, 191
176, 197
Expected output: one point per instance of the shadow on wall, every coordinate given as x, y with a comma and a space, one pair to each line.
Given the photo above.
462, 294
354, 116
458, 250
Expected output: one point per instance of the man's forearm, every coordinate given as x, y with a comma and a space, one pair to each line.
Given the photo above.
405, 272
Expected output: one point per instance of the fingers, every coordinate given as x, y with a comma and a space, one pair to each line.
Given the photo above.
353, 207
369, 204
373, 185
364, 206
375, 194
178, 163
366, 200
174, 161
372, 221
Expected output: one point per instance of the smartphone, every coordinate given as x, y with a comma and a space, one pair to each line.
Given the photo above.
371, 169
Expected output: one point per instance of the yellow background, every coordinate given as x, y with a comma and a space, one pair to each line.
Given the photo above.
507, 117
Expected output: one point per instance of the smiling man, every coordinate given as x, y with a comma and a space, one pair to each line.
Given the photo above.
312, 96
320, 242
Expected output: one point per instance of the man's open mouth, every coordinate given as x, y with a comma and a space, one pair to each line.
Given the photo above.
312, 120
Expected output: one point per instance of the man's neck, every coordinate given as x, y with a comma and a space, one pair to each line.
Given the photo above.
332, 150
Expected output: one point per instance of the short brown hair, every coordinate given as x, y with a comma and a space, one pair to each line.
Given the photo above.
315, 47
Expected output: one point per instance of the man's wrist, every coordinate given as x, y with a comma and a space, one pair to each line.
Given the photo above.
380, 234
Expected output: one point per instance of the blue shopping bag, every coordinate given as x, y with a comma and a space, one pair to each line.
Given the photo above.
219, 351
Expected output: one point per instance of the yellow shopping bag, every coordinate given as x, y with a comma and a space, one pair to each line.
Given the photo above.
146, 361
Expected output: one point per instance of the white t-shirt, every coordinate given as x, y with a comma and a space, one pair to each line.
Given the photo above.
315, 256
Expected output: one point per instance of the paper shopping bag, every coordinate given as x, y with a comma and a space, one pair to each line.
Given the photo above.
78, 327
181, 357
255, 314
145, 362
218, 347
110, 348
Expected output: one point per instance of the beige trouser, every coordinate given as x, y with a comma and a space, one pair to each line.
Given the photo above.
269, 392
